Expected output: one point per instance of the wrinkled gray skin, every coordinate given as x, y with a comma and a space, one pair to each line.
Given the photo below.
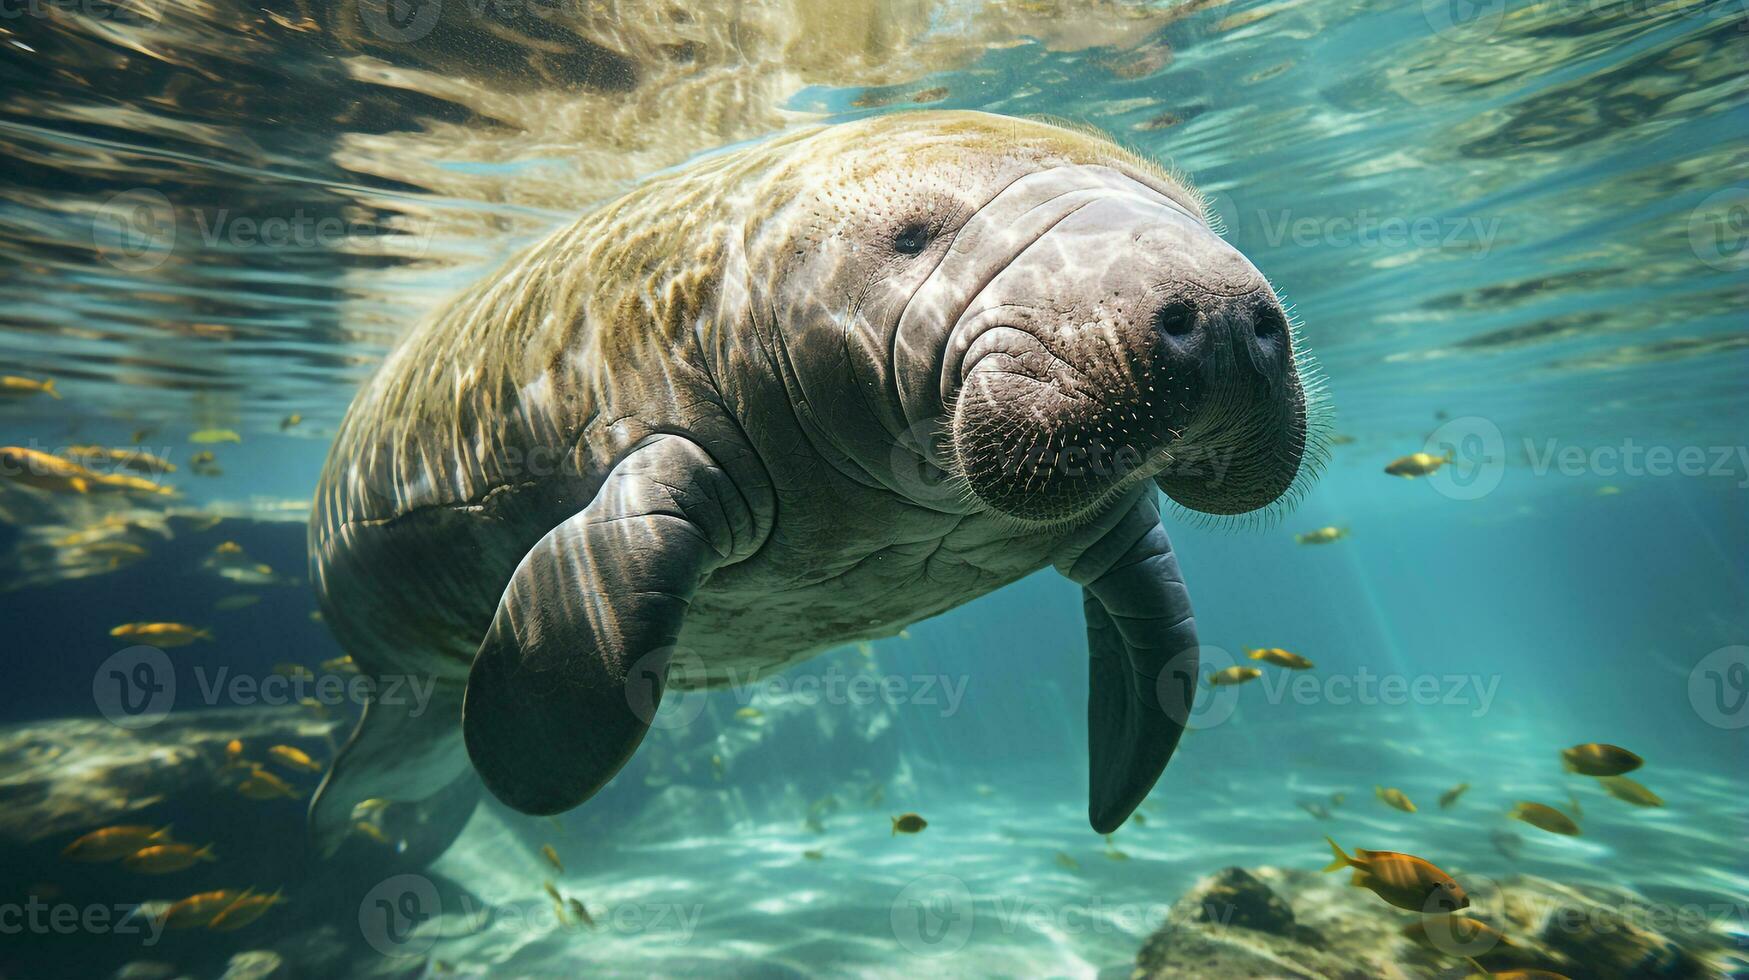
931, 354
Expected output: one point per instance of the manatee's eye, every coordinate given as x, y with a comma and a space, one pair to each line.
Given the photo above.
911, 239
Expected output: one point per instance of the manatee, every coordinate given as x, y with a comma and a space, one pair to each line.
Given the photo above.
787, 397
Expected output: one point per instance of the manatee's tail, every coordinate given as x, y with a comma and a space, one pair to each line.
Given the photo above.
407, 749
1342, 860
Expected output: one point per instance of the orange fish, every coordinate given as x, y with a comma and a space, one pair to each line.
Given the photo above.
114, 843
246, 909
199, 910
160, 859
1404, 880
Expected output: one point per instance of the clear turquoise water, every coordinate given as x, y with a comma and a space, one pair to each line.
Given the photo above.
1521, 235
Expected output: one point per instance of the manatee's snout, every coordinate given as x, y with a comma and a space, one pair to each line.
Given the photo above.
1127, 341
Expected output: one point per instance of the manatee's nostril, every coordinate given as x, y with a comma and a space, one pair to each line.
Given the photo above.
1267, 322
1176, 318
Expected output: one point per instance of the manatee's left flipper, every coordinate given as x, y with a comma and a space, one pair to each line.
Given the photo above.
1142, 644
569, 676
404, 749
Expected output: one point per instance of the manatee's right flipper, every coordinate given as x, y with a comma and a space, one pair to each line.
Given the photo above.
569, 676
404, 749
1142, 647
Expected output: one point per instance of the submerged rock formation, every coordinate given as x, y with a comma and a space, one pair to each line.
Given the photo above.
1286, 922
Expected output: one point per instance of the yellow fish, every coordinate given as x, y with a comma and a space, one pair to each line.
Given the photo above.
294, 758
161, 859
1417, 464
16, 387
580, 911
1599, 759
749, 713
246, 909
908, 823
1404, 880
114, 843
135, 459
552, 856
199, 910
1450, 796
1544, 818
263, 785
1280, 658
117, 483
116, 551
1628, 791
1065, 861
234, 751
46, 471
232, 603
339, 665
205, 436
161, 634
1483, 973
1233, 675
1439, 932
814, 855
230, 555
1323, 535
1394, 797
290, 421
371, 830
